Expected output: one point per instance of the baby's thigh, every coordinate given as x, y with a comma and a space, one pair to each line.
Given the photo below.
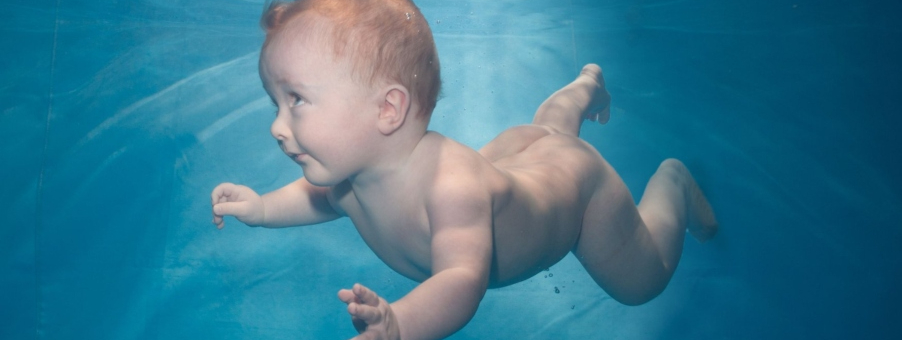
615, 246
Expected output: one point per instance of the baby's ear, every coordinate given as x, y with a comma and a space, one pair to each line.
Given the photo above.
394, 109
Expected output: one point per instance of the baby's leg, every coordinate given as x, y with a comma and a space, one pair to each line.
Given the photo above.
584, 98
632, 252
563, 112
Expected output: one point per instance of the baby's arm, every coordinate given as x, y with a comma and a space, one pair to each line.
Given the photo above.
461, 260
298, 203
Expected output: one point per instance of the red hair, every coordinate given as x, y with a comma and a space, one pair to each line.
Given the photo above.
384, 40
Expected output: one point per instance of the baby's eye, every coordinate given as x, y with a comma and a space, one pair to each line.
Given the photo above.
297, 100
275, 106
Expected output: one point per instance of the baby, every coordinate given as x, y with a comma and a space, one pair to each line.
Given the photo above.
355, 83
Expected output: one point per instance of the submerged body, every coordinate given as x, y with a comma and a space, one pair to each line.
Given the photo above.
533, 201
457, 220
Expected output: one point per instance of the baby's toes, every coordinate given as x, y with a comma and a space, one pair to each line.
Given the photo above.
591, 70
603, 116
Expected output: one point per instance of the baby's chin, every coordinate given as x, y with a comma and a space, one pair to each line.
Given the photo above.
320, 179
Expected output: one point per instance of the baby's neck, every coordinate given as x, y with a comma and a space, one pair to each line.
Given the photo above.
397, 160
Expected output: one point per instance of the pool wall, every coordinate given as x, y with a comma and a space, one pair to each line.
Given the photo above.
119, 117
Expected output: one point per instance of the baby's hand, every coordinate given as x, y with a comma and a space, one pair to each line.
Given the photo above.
239, 201
372, 315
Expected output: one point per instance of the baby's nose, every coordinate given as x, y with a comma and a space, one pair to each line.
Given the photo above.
279, 130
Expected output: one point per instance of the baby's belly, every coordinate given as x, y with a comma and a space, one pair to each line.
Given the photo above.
526, 243
534, 233
519, 255
407, 253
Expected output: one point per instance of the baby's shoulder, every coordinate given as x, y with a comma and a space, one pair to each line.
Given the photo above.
466, 177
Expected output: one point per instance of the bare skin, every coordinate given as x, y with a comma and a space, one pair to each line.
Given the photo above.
457, 220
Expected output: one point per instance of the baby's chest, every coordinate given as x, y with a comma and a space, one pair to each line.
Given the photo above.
401, 239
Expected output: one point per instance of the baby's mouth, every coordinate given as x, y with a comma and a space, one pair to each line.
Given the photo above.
295, 156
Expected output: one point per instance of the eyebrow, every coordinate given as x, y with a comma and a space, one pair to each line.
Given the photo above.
281, 83
299, 84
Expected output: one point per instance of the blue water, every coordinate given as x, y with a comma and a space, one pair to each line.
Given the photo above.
119, 117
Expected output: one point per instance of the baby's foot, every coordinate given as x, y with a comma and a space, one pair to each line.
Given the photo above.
702, 223
599, 109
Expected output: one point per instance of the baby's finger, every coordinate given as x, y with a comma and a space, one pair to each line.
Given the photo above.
365, 336
366, 295
347, 296
232, 209
368, 314
217, 219
220, 191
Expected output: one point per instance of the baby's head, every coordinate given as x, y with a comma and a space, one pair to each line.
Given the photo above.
383, 41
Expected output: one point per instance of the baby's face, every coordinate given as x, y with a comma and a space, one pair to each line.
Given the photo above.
326, 121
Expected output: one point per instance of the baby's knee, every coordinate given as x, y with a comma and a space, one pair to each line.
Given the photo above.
673, 165
672, 170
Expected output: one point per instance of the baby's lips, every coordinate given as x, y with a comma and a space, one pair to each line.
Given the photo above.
296, 157
293, 154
